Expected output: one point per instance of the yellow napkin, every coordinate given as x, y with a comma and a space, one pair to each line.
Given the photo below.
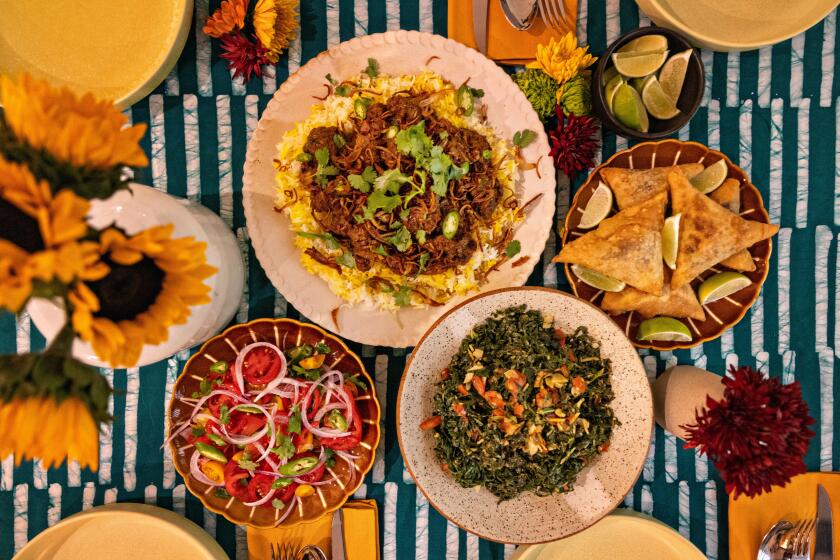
504, 43
750, 518
361, 533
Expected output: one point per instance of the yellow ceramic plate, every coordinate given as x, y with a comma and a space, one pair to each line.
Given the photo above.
122, 531
623, 535
723, 25
116, 50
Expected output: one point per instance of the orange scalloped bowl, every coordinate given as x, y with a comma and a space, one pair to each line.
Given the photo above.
721, 314
284, 333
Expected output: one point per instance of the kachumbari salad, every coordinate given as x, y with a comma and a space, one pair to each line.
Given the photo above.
269, 427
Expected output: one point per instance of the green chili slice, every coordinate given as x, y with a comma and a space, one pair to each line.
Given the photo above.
450, 224
210, 452
298, 466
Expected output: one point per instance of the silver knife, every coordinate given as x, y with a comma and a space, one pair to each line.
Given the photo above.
480, 24
338, 536
824, 536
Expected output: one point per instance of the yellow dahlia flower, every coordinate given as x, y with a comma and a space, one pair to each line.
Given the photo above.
229, 16
78, 130
563, 59
152, 283
41, 428
276, 25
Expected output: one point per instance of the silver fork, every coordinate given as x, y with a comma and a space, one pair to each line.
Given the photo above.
553, 13
283, 551
799, 539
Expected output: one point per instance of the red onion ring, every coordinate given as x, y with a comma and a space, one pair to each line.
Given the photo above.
195, 471
262, 500
289, 508
240, 359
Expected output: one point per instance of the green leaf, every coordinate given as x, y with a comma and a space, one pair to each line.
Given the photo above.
372, 69
486, 154
342, 91
414, 141
322, 156
421, 236
513, 248
401, 240
339, 141
380, 250
328, 239
456, 171
219, 367
390, 181
281, 483
304, 157
523, 138
330, 79
357, 381
224, 415
346, 259
221, 493
80, 374
424, 260
322, 348
277, 503
284, 448
358, 182
402, 297
197, 431
294, 420
246, 463
369, 174
380, 200
329, 458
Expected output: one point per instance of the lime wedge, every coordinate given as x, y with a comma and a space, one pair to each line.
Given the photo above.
611, 87
638, 64
598, 207
639, 83
665, 329
721, 285
608, 75
656, 101
628, 108
596, 279
646, 43
710, 178
671, 240
672, 74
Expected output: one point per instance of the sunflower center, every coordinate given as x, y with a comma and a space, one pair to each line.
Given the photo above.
127, 290
19, 228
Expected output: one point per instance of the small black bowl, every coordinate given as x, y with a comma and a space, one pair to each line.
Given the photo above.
690, 96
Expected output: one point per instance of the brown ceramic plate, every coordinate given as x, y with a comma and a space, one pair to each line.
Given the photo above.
721, 314
285, 333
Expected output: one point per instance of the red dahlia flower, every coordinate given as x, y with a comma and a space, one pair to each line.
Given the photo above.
757, 434
245, 57
574, 143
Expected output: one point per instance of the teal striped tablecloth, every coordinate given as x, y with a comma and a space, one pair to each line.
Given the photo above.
774, 111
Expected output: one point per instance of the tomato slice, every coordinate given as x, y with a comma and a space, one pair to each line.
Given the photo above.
234, 481
350, 441
261, 365
215, 403
285, 494
244, 424
259, 487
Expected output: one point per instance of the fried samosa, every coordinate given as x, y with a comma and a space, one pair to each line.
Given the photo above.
626, 246
709, 233
728, 195
633, 186
681, 302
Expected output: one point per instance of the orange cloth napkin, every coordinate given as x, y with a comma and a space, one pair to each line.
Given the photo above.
361, 533
750, 518
504, 43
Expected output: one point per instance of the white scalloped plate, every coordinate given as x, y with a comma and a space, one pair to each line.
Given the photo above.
398, 52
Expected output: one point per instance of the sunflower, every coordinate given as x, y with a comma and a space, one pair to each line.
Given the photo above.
563, 59
276, 25
77, 130
229, 17
152, 283
43, 428
41, 236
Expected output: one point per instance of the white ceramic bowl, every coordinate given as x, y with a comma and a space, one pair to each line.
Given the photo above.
142, 207
599, 488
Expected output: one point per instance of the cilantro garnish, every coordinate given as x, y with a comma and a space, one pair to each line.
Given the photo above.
330, 241
401, 240
277, 503
513, 248
424, 260
324, 170
402, 297
284, 449
357, 381
294, 420
346, 259
524, 138
342, 90
364, 181
322, 348
224, 415
197, 431
380, 250
372, 69
246, 463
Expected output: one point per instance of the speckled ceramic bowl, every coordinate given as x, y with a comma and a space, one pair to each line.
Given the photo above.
599, 488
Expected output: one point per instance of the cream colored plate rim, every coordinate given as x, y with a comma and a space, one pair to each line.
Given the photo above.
51, 539
398, 52
647, 528
147, 83
728, 42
